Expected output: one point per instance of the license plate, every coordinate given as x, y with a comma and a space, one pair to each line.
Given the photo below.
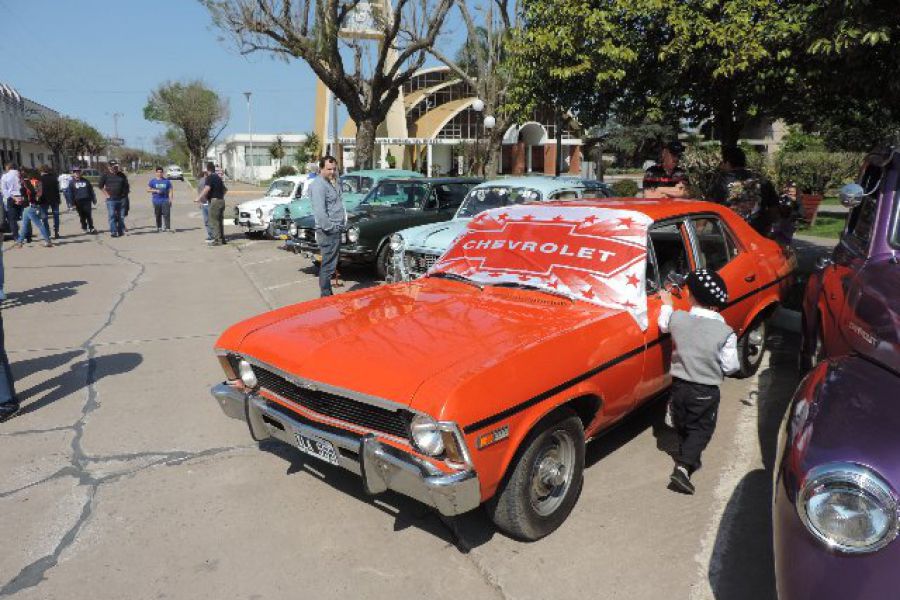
283, 237
321, 449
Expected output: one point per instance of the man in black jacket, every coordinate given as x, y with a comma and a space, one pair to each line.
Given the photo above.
48, 198
115, 185
82, 193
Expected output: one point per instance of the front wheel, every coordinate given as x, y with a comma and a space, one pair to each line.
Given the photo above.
545, 481
751, 346
383, 262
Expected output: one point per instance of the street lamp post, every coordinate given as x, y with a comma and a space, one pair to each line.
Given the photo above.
478, 106
250, 158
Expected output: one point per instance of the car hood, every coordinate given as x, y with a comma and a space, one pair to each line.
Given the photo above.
388, 341
303, 207
251, 205
434, 236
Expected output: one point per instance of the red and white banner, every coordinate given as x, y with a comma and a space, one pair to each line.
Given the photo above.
596, 255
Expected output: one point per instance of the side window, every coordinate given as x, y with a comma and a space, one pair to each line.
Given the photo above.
349, 185
861, 221
715, 246
365, 184
564, 195
653, 282
451, 195
670, 251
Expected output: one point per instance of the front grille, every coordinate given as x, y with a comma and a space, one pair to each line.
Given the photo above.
418, 263
392, 422
245, 215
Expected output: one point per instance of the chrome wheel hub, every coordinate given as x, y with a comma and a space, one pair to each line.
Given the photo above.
552, 473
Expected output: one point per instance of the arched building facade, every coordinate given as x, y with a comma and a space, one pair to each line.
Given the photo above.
441, 124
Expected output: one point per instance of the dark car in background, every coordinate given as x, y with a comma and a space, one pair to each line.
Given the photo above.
835, 506
390, 206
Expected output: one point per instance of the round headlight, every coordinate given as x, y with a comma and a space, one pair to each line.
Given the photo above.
247, 374
426, 435
259, 213
293, 230
848, 507
397, 242
353, 235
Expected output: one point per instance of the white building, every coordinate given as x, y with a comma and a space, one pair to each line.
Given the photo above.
17, 140
247, 157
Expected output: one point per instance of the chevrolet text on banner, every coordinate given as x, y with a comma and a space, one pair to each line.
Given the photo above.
596, 255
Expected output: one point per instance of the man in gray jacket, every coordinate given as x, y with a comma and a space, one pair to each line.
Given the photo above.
331, 218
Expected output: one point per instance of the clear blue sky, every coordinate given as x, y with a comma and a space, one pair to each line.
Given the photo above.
92, 58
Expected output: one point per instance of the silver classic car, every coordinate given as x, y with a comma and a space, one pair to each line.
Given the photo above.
416, 249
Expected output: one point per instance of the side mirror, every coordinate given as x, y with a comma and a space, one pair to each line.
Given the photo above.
851, 195
674, 280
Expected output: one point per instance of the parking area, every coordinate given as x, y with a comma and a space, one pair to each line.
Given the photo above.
124, 480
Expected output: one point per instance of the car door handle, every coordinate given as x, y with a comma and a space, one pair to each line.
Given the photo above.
750, 277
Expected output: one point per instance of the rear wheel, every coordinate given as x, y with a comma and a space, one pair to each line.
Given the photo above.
751, 347
383, 261
545, 481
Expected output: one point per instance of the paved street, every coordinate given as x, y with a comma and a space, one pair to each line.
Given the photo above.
122, 479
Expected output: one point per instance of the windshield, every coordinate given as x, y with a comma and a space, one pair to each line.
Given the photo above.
585, 253
280, 187
484, 198
404, 194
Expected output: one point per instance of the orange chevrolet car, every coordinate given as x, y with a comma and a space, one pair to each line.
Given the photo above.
481, 382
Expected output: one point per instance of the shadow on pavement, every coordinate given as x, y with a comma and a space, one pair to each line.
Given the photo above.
745, 565
75, 379
465, 532
46, 293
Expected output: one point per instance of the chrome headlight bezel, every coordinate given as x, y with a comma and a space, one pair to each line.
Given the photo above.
397, 243
851, 479
293, 230
245, 372
353, 234
425, 435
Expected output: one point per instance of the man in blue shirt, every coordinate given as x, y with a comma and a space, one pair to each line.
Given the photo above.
163, 194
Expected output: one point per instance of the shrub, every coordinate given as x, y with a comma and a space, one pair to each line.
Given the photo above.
285, 171
625, 188
816, 172
701, 163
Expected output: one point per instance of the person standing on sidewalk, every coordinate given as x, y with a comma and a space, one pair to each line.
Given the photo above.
64, 180
115, 185
32, 216
11, 187
48, 197
9, 403
163, 194
204, 206
331, 218
214, 191
83, 196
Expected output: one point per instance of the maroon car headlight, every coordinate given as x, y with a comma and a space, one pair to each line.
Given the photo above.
848, 507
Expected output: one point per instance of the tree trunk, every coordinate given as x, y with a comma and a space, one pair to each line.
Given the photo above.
365, 143
494, 151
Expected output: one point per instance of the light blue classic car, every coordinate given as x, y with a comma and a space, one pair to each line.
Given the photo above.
416, 249
354, 187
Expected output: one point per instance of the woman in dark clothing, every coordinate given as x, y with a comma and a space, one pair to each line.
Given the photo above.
48, 198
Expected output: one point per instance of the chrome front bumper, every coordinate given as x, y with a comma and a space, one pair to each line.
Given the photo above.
382, 467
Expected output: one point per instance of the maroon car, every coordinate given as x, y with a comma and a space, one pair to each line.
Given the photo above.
836, 490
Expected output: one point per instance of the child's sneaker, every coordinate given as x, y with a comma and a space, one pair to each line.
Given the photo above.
680, 480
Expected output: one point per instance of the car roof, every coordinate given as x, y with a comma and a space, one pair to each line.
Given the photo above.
432, 180
655, 208
392, 173
542, 183
294, 178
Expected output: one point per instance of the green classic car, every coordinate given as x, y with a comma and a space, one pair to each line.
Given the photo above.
354, 186
392, 205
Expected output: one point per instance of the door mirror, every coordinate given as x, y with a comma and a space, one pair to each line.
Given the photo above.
674, 280
851, 195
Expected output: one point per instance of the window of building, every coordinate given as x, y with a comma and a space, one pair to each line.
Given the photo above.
257, 156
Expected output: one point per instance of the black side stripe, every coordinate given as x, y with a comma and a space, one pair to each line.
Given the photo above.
563, 386
599, 369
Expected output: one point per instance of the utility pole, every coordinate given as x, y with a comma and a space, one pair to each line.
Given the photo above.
251, 158
115, 139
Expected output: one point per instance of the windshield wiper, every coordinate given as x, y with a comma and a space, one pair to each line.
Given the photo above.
531, 286
455, 277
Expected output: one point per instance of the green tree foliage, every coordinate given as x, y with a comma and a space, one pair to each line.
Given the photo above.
308, 152
193, 110
277, 151
55, 132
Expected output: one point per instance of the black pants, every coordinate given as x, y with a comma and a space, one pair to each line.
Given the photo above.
695, 407
162, 212
84, 209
